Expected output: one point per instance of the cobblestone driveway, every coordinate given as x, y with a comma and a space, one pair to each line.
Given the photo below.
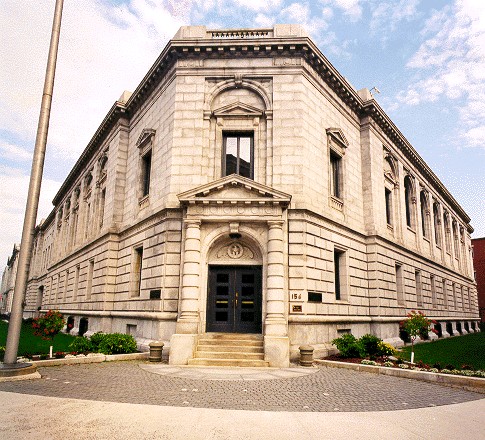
327, 390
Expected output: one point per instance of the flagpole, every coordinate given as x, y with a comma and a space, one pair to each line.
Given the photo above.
15, 322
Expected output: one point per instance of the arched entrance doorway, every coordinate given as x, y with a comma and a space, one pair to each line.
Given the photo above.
234, 286
234, 299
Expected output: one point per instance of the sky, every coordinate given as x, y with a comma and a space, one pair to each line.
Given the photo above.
426, 57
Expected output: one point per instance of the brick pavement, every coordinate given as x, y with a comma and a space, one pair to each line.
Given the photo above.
327, 390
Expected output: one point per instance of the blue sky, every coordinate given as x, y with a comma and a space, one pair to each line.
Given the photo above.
427, 58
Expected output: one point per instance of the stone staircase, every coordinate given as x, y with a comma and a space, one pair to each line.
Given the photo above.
230, 350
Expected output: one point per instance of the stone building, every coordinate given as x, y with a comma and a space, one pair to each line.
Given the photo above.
8, 281
246, 189
479, 265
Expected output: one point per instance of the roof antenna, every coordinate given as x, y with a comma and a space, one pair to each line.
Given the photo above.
376, 90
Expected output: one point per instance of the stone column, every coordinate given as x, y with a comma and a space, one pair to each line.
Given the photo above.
183, 342
189, 304
276, 342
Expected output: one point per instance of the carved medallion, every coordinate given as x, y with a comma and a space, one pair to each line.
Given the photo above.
235, 250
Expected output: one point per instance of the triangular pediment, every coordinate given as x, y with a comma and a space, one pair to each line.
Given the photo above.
338, 135
234, 189
238, 109
145, 136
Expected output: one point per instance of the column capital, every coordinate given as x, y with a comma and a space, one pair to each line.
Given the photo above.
192, 223
275, 224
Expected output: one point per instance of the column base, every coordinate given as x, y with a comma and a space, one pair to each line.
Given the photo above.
182, 348
277, 351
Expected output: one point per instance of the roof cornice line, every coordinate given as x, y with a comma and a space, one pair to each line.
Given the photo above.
114, 113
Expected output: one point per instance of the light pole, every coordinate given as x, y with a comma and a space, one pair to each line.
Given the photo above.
15, 323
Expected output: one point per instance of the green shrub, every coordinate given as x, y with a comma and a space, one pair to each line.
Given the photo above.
348, 346
117, 343
370, 345
81, 345
96, 340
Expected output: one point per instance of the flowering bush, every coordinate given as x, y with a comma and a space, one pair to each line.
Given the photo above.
417, 324
386, 349
49, 325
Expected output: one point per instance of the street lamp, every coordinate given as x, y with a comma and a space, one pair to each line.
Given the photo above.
10, 366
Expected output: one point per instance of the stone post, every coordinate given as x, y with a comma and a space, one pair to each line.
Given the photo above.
306, 356
156, 351
276, 342
184, 340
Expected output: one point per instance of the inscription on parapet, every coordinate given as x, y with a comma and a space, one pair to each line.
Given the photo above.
236, 210
286, 61
191, 63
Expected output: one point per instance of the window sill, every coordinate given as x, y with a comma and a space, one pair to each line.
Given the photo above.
390, 227
411, 230
336, 203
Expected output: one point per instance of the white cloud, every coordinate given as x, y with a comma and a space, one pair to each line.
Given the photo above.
264, 20
259, 5
14, 152
450, 64
386, 15
301, 13
13, 195
93, 67
351, 8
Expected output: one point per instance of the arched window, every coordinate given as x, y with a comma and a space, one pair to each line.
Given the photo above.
456, 240
447, 231
423, 200
390, 186
437, 223
409, 198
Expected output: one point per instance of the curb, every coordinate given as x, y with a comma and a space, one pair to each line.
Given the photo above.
475, 384
95, 358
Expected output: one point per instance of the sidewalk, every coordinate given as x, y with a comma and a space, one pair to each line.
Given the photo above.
34, 417
133, 400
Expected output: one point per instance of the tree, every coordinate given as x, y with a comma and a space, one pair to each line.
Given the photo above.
417, 324
49, 325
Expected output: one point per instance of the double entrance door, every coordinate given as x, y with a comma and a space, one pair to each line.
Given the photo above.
234, 299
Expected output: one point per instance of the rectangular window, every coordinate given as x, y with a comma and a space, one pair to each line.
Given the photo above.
76, 283
433, 290
335, 175
388, 195
453, 291
131, 329
66, 279
340, 275
315, 297
102, 201
137, 269
146, 167
445, 294
399, 285
419, 294
238, 154
89, 286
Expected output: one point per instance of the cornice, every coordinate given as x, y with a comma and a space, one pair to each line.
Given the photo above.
117, 111
250, 43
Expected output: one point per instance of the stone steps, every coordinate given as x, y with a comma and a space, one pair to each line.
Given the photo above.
230, 350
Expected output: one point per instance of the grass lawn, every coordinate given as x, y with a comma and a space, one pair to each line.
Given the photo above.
456, 351
30, 344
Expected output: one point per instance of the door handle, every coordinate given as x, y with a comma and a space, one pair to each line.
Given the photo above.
236, 298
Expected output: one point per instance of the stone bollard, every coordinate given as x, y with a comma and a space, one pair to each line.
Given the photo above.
156, 349
306, 356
